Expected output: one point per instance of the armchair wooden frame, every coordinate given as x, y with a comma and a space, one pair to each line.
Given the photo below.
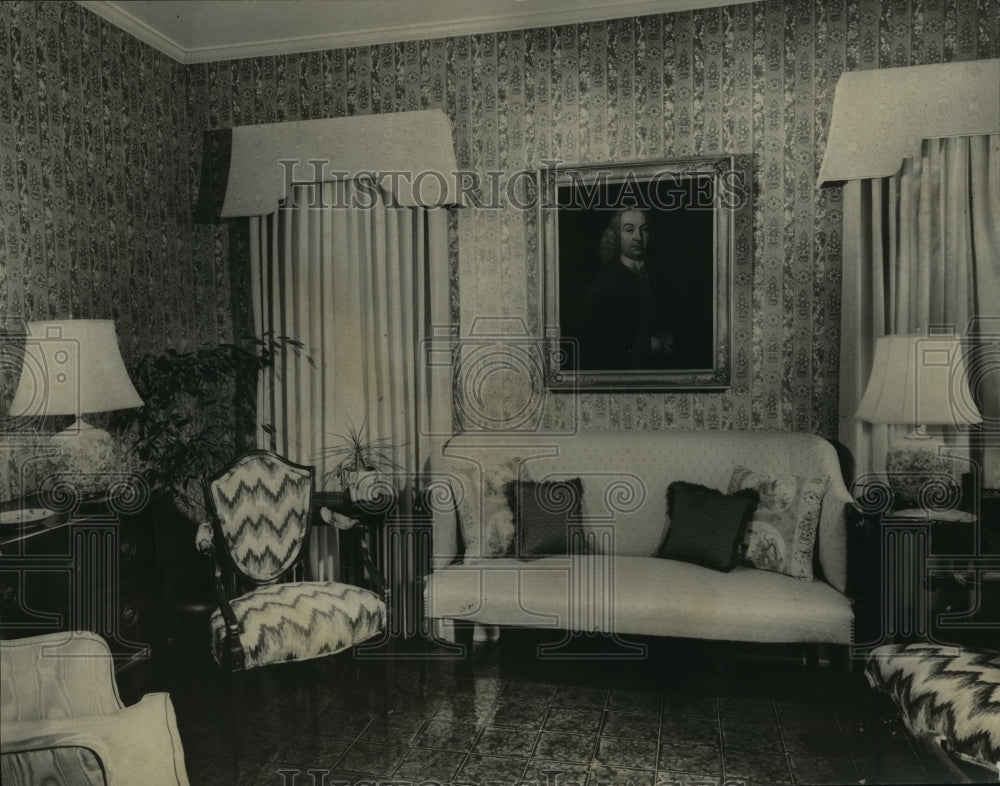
232, 581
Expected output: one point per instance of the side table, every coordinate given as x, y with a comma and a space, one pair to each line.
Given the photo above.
367, 528
930, 576
81, 568
398, 539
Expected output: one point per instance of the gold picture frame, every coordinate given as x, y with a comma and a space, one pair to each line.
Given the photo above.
627, 315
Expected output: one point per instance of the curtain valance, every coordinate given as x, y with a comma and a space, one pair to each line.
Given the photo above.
880, 117
409, 154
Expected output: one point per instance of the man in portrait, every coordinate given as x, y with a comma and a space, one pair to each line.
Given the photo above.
630, 315
640, 287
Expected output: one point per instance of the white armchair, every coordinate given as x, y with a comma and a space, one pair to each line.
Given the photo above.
63, 721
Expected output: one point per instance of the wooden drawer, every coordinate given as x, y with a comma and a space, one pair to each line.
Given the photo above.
92, 573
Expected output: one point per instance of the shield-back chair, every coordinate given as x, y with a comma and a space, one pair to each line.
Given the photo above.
261, 507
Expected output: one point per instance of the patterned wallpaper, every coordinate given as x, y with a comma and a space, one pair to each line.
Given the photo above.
98, 177
101, 153
751, 79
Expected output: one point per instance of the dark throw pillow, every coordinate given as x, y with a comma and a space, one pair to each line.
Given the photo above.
706, 525
546, 516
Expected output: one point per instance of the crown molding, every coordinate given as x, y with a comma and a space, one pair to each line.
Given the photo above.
519, 20
122, 19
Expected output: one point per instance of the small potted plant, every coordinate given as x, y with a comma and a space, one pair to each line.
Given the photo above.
359, 460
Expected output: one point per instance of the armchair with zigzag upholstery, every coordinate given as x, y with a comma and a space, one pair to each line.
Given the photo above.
261, 508
63, 721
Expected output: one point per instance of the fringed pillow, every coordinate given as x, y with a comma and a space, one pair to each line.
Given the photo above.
546, 517
706, 525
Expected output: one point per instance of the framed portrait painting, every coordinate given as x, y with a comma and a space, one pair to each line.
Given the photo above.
636, 262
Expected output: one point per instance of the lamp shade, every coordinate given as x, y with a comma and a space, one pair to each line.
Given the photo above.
918, 380
72, 367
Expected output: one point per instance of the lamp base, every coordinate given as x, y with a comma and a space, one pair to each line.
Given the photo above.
919, 476
88, 458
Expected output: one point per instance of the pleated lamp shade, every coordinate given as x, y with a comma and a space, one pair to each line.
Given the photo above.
917, 381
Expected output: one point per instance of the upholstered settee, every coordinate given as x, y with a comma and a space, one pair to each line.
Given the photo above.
613, 576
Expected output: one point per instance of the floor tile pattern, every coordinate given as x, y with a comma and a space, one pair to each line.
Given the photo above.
319, 723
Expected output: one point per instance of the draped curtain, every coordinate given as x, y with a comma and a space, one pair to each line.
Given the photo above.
922, 248
361, 283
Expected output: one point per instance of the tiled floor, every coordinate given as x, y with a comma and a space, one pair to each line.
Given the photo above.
652, 722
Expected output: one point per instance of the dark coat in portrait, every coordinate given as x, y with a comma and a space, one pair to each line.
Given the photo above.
621, 310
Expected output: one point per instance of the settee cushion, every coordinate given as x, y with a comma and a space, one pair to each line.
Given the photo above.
706, 526
75, 677
642, 596
545, 515
70, 764
782, 534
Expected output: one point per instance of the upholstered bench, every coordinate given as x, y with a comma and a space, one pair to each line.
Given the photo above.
948, 698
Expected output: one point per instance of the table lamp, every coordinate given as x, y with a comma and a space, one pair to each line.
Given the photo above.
74, 367
918, 381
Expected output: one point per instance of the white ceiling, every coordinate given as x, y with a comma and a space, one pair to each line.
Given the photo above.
195, 31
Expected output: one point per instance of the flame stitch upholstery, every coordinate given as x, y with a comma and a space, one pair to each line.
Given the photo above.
263, 509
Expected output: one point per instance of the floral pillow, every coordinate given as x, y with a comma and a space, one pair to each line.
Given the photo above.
484, 516
782, 533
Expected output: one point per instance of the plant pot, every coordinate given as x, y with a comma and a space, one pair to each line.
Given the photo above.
362, 484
